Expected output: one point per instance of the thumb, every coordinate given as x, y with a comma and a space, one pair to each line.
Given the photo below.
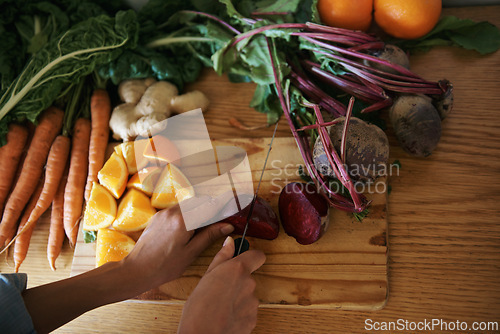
226, 253
208, 235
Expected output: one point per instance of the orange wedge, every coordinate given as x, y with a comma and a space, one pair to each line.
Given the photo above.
112, 246
134, 212
132, 153
114, 175
172, 187
161, 150
145, 180
100, 210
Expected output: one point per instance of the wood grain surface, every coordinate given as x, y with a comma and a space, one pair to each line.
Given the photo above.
444, 225
345, 269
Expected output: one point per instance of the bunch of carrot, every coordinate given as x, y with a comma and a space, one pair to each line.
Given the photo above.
47, 167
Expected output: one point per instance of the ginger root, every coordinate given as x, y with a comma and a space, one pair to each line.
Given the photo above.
189, 101
157, 98
131, 91
147, 103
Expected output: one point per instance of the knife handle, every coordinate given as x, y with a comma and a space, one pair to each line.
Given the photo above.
244, 247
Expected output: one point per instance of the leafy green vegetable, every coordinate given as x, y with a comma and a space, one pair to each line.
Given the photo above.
39, 22
362, 215
177, 38
89, 236
483, 37
12, 59
27, 25
265, 101
63, 61
174, 46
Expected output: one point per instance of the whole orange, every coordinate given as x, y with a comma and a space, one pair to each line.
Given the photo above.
349, 14
407, 19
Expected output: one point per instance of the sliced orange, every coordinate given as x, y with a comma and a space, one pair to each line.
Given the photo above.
172, 187
100, 210
161, 150
134, 212
112, 246
132, 153
114, 175
145, 180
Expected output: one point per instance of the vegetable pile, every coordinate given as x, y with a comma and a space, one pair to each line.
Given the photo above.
302, 70
60, 59
52, 172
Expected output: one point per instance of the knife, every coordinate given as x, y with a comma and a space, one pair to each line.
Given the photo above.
241, 244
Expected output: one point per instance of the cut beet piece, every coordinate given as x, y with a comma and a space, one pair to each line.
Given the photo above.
264, 223
303, 212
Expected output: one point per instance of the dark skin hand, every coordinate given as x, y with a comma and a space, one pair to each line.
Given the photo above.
224, 300
161, 254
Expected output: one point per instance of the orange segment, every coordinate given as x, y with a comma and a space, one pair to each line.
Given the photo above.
134, 212
132, 154
112, 246
172, 187
100, 210
145, 180
114, 175
160, 150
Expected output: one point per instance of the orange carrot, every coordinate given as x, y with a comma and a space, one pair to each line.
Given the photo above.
23, 241
54, 169
48, 128
100, 110
77, 175
31, 131
56, 231
10, 155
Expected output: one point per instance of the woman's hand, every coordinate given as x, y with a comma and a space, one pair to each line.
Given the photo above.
166, 248
224, 300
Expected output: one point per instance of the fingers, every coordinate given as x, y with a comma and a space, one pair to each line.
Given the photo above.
169, 221
208, 235
252, 259
226, 253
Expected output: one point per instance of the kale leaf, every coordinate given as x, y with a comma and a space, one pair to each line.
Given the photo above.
63, 61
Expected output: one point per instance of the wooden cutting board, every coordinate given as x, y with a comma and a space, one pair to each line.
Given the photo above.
346, 268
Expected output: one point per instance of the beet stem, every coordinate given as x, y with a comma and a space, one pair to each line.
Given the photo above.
317, 126
215, 18
334, 30
344, 131
302, 144
337, 165
360, 91
356, 54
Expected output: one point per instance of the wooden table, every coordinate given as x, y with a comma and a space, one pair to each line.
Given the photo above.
444, 224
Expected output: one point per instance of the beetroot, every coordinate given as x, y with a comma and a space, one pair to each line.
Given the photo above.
416, 123
263, 224
303, 212
366, 154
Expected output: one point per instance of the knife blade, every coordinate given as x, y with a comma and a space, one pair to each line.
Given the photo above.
241, 244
